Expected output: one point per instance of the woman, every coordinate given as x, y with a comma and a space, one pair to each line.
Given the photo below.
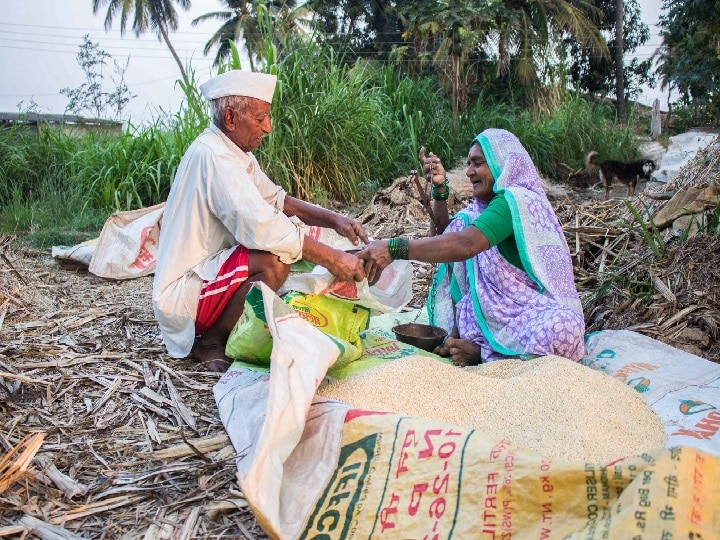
510, 292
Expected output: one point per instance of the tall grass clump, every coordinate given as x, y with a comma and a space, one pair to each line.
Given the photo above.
39, 188
563, 136
137, 168
418, 115
579, 126
325, 139
61, 187
342, 131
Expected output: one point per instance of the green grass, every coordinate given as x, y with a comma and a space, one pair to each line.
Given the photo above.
340, 133
563, 136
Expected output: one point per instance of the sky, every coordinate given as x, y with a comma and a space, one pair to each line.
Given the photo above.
40, 39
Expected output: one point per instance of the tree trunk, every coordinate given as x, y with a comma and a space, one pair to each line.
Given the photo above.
619, 65
165, 36
455, 94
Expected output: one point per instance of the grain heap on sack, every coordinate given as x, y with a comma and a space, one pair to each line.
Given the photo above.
551, 405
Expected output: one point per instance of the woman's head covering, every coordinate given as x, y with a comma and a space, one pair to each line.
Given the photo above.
538, 233
509, 162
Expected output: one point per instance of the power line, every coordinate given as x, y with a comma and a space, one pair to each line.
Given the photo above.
48, 43
167, 56
74, 28
104, 39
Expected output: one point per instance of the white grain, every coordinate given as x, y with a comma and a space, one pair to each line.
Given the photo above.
551, 405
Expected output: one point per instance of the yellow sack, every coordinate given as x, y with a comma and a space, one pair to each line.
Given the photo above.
250, 340
340, 320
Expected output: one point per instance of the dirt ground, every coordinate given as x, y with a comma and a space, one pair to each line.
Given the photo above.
103, 435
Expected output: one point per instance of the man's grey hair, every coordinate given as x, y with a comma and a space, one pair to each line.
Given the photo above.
238, 103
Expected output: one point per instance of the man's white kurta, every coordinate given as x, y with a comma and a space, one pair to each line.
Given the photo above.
220, 198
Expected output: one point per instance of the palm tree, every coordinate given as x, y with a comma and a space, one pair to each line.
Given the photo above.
451, 31
522, 32
240, 21
526, 29
158, 15
463, 29
291, 21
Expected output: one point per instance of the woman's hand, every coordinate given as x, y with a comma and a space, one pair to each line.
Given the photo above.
376, 257
351, 229
433, 169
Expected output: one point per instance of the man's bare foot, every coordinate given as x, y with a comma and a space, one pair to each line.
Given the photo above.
463, 352
211, 355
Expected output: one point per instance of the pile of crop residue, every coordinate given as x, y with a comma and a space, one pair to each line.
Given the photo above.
555, 407
651, 263
102, 434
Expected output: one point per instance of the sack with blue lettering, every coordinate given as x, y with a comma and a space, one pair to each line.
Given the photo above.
682, 388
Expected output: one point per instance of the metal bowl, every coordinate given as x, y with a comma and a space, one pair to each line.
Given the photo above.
422, 336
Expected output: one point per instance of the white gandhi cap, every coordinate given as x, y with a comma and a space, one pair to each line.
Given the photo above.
240, 83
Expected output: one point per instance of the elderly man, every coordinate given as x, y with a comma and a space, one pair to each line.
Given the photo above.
227, 225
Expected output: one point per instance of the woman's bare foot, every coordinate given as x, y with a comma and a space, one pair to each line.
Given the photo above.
211, 355
463, 352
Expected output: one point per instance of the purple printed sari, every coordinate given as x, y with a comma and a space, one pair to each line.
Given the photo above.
507, 311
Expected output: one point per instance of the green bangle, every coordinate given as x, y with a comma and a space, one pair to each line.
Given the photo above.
441, 196
399, 247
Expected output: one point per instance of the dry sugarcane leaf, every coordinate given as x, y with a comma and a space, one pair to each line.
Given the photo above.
206, 444
178, 404
14, 464
98, 507
216, 508
47, 531
64, 483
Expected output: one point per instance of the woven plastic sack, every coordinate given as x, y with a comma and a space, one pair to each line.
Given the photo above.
250, 340
127, 246
683, 389
81, 253
316, 468
340, 320
391, 292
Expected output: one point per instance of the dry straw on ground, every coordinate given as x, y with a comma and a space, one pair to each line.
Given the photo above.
553, 406
131, 445
670, 293
103, 435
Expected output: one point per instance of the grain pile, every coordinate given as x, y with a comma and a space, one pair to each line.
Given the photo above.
555, 407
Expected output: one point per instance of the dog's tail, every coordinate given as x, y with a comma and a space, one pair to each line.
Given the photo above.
589, 161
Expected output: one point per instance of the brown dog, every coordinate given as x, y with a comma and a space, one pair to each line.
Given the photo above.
627, 173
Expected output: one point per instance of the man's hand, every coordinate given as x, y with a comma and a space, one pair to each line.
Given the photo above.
311, 214
350, 229
346, 267
376, 257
